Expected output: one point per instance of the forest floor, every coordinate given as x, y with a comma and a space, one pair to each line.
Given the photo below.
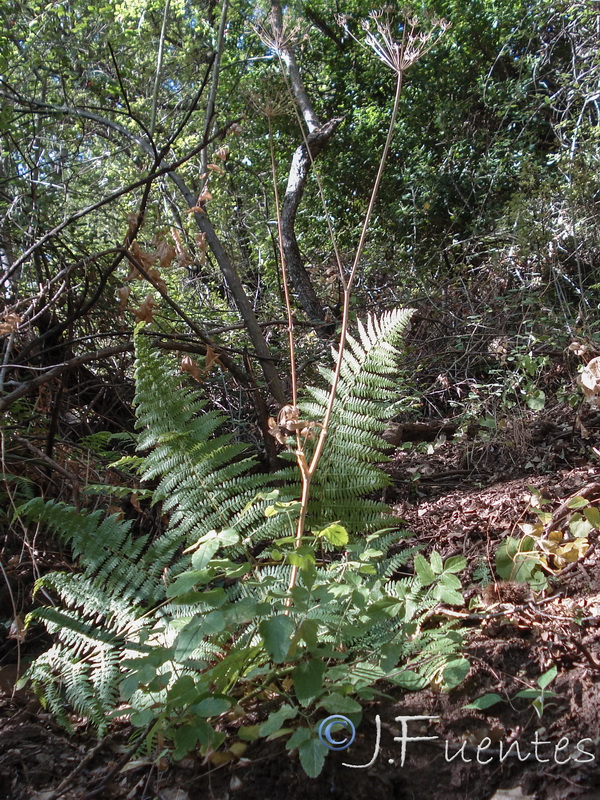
459, 497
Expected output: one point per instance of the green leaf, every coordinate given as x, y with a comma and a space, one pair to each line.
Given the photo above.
536, 400
312, 757
517, 561
184, 582
189, 638
277, 633
184, 692
450, 580
308, 680
437, 564
289, 507
336, 703
409, 679
577, 502
300, 735
185, 739
423, 570
445, 594
455, 564
592, 514
485, 701
579, 526
276, 719
336, 534
455, 672
204, 553
228, 537
248, 733
547, 678
212, 706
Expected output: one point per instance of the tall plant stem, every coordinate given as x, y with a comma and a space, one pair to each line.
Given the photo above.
307, 470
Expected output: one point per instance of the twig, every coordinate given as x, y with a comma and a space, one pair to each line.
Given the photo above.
73, 479
64, 785
54, 372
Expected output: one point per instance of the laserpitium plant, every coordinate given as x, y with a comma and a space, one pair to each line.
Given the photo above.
270, 599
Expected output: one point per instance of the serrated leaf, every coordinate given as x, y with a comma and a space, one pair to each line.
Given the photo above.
300, 735
437, 564
336, 534
308, 680
184, 739
277, 633
336, 703
455, 672
423, 570
312, 757
447, 595
276, 719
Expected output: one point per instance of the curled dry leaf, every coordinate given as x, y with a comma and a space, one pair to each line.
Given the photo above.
133, 274
10, 324
589, 380
275, 430
288, 422
189, 365
210, 358
155, 277
216, 168
222, 153
123, 293
132, 221
235, 129
201, 242
146, 312
17, 629
165, 253
145, 258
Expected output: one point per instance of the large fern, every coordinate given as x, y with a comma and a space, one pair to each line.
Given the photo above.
144, 612
349, 467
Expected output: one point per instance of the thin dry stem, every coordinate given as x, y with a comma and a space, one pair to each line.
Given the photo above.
399, 57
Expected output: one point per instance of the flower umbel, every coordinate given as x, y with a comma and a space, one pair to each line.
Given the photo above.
415, 40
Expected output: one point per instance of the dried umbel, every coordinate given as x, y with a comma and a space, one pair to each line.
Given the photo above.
272, 99
278, 34
417, 37
288, 423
